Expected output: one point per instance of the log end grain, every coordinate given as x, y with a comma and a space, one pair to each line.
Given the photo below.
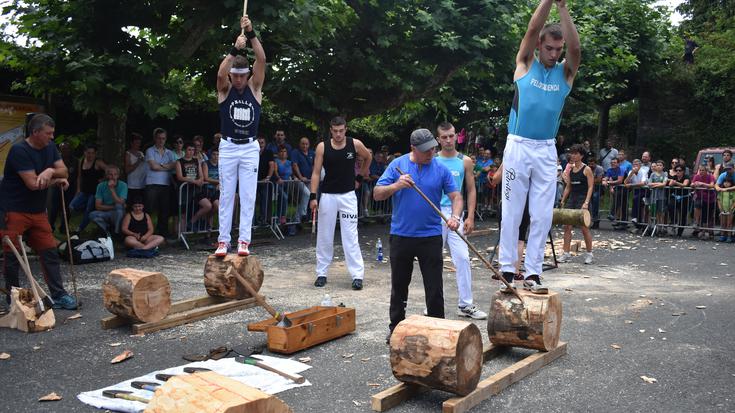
219, 281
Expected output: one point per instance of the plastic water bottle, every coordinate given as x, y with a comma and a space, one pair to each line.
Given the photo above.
327, 301
380, 251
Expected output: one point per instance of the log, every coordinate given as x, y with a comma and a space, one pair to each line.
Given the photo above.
534, 324
139, 295
209, 392
221, 283
574, 217
437, 353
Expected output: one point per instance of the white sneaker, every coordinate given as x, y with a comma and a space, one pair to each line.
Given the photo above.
566, 257
222, 249
471, 311
588, 258
242, 249
426, 312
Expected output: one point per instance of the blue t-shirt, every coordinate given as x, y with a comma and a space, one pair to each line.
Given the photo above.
538, 102
625, 167
305, 162
103, 192
614, 173
274, 147
456, 168
412, 215
377, 169
483, 163
159, 177
723, 176
15, 195
285, 169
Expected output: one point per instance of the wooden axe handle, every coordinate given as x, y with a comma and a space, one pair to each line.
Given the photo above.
259, 298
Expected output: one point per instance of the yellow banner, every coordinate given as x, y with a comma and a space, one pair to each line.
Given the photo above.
12, 122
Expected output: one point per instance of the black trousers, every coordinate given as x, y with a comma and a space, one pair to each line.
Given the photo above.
428, 250
158, 200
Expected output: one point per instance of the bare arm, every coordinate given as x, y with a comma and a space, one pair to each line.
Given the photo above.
524, 58
457, 203
124, 226
383, 192
223, 73
46, 178
316, 172
574, 50
258, 78
363, 153
590, 185
469, 184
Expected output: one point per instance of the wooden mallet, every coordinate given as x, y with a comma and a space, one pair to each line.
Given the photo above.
466, 241
283, 321
125, 395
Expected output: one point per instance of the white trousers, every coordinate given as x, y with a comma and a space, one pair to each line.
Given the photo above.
529, 169
343, 206
237, 163
460, 258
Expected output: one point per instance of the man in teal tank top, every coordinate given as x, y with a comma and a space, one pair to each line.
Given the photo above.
460, 167
542, 85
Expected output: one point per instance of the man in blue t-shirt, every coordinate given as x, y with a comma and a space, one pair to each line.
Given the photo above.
614, 177
303, 161
32, 166
416, 229
109, 201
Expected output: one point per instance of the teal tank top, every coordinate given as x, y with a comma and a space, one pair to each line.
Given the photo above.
456, 168
538, 102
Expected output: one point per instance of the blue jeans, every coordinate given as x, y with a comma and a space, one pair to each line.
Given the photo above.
85, 203
109, 219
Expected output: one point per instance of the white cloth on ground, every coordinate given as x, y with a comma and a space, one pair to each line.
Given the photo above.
253, 376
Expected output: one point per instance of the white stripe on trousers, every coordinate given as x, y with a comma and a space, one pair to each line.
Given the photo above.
529, 169
343, 206
237, 163
461, 259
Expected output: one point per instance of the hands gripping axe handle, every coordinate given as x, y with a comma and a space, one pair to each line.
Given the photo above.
244, 12
466, 241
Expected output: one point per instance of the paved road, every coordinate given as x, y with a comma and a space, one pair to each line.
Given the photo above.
627, 298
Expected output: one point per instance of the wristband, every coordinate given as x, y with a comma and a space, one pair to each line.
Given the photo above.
234, 51
456, 217
359, 178
250, 35
312, 197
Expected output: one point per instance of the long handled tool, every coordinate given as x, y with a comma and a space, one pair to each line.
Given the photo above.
42, 302
189, 370
258, 363
283, 321
68, 247
466, 241
244, 13
125, 395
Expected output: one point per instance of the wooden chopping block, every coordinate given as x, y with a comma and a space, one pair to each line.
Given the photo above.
140, 295
437, 353
221, 283
209, 392
534, 324
574, 217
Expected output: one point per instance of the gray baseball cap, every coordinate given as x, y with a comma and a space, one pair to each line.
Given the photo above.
423, 140
727, 165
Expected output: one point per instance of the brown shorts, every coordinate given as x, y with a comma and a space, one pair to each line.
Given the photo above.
35, 229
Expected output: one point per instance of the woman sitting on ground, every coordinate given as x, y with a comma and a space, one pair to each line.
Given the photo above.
137, 227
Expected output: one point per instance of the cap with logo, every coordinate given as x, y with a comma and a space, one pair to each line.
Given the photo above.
423, 140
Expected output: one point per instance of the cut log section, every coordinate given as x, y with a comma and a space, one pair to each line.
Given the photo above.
209, 392
138, 295
220, 282
574, 217
437, 353
534, 324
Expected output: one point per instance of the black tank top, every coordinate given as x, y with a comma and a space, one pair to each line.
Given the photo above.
239, 115
578, 181
90, 178
138, 227
339, 168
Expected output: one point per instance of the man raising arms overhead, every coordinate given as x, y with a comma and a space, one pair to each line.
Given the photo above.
239, 94
542, 85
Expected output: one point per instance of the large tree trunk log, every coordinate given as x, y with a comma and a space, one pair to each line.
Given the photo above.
139, 295
574, 217
534, 324
211, 392
437, 353
220, 282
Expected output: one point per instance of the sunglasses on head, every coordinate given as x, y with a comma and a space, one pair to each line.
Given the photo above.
678, 170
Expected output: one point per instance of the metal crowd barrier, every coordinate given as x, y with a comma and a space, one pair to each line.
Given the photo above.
657, 210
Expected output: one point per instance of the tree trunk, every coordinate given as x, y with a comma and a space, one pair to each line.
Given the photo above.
603, 122
437, 353
220, 282
534, 324
111, 137
139, 295
575, 217
211, 392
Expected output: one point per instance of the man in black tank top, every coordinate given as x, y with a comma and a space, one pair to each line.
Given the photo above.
239, 95
337, 155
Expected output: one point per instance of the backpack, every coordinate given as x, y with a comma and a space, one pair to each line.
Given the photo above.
86, 251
